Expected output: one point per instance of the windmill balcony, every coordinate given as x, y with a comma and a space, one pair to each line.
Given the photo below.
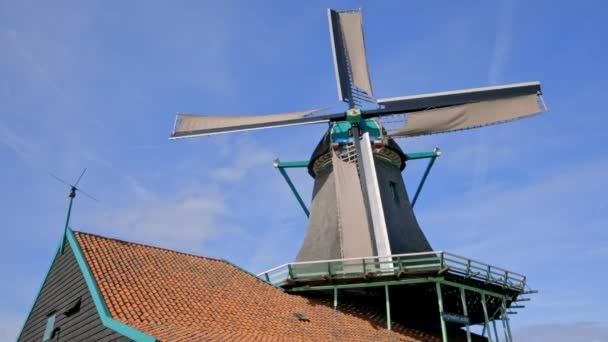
394, 267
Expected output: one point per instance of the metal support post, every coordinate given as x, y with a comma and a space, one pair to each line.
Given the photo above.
506, 320
426, 173
293, 189
504, 327
444, 333
289, 272
388, 308
465, 312
485, 316
335, 299
495, 330
67, 220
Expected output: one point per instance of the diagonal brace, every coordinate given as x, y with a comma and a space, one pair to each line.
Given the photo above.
281, 167
432, 155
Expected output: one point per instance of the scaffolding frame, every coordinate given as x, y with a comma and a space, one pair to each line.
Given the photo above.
442, 269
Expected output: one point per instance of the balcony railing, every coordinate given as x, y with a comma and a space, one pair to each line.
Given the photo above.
400, 265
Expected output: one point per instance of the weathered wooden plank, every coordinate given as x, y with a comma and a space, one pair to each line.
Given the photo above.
64, 285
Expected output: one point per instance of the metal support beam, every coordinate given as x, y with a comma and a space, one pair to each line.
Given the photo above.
470, 288
444, 333
363, 285
465, 311
289, 165
506, 320
277, 164
422, 155
426, 173
388, 308
335, 299
67, 220
495, 330
529, 292
485, 316
504, 326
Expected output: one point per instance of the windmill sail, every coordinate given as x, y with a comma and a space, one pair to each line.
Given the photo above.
470, 115
350, 61
465, 109
189, 125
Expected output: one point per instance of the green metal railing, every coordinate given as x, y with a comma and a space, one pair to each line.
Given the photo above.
438, 262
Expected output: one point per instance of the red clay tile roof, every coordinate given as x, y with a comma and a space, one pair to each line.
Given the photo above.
181, 297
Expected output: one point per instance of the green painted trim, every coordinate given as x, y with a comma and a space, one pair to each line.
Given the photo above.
424, 176
389, 325
444, 333
506, 320
353, 115
67, 222
294, 191
421, 155
335, 299
287, 165
471, 288
371, 126
102, 309
465, 311
485, 316
495, 329
40, 290
362, 285
340, 129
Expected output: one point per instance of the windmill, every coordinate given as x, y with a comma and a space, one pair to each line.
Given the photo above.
362, 237
360, 206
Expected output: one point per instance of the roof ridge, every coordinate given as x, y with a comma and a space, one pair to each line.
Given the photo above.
147, 245
182, 253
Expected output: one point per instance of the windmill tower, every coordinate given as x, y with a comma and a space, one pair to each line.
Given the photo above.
360, 207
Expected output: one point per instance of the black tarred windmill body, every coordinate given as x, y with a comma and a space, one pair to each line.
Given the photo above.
360, 206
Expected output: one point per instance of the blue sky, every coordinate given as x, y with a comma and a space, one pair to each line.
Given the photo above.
96, 84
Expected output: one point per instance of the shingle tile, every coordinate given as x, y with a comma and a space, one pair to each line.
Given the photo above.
182, 297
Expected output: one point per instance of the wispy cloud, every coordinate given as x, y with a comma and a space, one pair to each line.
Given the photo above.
21, 147
500, 54
502, 41
247, 156
185, 220
524, 216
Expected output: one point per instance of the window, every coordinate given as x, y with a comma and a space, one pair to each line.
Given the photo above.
73, 309
394, 192
50, 325
301, 317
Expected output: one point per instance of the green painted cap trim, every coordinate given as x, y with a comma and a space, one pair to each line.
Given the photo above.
421, 155
353, 115
292, 164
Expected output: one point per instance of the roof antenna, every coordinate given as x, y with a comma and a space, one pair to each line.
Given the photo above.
71, 195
